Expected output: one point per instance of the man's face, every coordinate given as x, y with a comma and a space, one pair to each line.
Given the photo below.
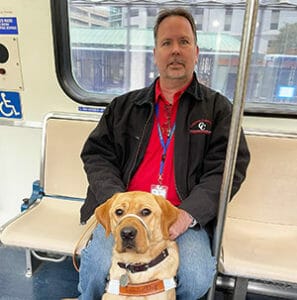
175, 52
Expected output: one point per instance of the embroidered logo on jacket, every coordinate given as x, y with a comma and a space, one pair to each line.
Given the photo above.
201, 126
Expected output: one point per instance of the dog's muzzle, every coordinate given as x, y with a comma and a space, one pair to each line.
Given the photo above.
129, 233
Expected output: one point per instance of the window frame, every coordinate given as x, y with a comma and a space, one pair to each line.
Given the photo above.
62, 51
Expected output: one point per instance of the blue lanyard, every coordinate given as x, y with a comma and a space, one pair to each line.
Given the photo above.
163, 144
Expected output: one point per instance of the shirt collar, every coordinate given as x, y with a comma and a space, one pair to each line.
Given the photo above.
159, 95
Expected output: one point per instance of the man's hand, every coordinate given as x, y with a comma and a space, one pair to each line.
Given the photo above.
182, 223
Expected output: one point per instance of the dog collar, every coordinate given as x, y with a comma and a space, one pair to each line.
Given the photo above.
134, 268
141, 289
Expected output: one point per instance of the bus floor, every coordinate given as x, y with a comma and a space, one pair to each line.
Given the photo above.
51, 281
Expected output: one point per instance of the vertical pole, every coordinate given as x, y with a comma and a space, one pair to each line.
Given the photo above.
127, 63
234, 134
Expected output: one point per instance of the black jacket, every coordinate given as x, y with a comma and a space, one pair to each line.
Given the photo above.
117, 145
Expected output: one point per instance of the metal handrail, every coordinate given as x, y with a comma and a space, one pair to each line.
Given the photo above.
246, 48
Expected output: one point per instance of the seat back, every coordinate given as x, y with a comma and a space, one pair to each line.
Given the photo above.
269, 192
62, 170
259, 240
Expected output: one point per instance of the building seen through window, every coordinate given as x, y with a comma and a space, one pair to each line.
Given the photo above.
112, 47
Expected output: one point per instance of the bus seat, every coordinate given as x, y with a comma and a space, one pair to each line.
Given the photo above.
260, 235
49, 227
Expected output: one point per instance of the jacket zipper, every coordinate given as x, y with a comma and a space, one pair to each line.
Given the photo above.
139, 145
176, 188
174, 153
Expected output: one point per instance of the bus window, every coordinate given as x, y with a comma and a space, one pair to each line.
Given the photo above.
272, 85
105, 48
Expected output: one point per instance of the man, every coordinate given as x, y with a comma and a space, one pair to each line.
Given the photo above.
169, 139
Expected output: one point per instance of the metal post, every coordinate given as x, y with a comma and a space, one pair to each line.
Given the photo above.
234, 135
127, 64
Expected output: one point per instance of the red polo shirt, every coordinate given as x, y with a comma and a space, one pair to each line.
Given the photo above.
147, 173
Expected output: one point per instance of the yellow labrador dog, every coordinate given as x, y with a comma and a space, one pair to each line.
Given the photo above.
144, 260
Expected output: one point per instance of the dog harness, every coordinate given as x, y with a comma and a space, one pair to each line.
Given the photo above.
122, 286
141, 289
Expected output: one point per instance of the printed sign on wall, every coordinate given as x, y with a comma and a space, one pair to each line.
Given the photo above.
8, 25
10, 105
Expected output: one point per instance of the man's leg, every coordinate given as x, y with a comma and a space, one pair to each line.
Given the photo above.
95, 265
197, 265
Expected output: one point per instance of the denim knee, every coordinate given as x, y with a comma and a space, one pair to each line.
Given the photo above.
197, 265
194, 283
95, 264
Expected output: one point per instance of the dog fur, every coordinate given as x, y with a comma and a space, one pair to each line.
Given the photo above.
151, 238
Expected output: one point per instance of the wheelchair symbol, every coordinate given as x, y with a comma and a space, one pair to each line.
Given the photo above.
7, 109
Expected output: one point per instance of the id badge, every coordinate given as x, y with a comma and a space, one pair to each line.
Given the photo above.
159, 190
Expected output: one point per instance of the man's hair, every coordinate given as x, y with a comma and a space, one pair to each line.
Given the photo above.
181, 12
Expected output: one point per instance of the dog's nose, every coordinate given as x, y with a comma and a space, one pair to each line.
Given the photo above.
128, 233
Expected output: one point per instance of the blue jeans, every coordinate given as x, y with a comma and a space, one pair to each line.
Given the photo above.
195, 273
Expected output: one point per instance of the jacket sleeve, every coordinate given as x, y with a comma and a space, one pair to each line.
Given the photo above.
202, 201
101, 165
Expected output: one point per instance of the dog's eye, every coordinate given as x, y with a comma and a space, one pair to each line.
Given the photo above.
119, 212
145, 212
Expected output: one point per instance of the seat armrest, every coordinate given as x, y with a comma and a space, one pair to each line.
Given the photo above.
37, 193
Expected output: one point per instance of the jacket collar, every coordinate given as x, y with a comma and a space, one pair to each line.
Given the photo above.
147, 95
194, 88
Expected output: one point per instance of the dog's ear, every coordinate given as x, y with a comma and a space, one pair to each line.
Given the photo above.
102, 215
169, 215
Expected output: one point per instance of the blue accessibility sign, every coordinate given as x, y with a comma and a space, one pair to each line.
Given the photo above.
8, 25
10, 105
